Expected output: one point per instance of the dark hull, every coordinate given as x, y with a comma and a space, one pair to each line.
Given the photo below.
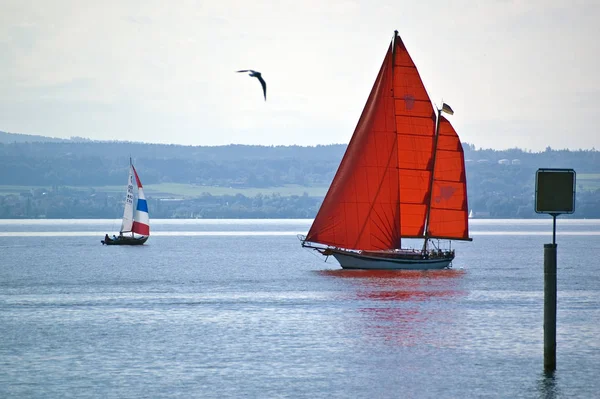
124, 240
397, 259
390, 260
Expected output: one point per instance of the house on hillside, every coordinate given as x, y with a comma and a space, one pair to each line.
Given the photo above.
478, 214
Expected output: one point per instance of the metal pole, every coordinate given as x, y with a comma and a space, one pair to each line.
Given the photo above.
550, 306
554, 215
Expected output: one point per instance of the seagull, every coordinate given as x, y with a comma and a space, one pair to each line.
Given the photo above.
258, 76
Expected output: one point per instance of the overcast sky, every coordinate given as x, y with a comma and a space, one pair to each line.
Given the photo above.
517, 73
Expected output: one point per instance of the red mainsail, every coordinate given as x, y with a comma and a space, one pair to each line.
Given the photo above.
383, 187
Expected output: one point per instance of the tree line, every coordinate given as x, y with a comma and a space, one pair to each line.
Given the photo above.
69, 174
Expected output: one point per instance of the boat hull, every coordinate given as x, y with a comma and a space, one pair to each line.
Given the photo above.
355, 260
123, 240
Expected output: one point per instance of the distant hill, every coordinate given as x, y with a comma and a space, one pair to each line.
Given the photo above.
6, 137
500, 182
102, 163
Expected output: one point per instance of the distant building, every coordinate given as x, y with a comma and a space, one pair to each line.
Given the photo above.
478, 214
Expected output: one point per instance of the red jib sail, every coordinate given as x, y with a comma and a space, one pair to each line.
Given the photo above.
383, 186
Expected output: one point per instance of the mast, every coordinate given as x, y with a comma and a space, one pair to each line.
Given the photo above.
435, 142
130, 165
394, 54
399, 245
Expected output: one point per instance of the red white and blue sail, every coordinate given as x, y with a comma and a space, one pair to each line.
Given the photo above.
141, 220
135, 220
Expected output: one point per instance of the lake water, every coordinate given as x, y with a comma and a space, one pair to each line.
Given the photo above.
236, 308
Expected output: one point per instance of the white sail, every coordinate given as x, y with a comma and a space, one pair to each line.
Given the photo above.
128, 212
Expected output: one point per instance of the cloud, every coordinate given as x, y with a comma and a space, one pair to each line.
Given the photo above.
152, 71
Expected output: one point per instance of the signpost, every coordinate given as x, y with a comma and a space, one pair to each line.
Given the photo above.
554, 195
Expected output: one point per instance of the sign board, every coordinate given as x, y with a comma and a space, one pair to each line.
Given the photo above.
555, 191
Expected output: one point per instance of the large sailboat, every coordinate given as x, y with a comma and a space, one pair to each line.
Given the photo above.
402, 177
135, 225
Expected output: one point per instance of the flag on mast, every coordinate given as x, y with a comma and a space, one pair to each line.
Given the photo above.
446, 108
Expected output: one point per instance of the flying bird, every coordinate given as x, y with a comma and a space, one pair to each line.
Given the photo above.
258, 76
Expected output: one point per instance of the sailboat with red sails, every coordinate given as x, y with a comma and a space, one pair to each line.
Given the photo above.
402, 178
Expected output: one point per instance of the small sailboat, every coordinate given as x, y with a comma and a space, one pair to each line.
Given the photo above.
135, 227
402, 177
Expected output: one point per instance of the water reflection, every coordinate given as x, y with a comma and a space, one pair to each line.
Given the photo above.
399, 285
546, 386
404, 307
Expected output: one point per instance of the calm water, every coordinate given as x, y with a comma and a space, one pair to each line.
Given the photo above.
231, 309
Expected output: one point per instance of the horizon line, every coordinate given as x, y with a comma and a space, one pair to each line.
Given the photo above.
76, 139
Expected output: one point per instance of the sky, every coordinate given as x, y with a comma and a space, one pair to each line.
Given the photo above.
517, 73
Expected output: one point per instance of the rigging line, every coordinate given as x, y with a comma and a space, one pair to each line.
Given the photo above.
388, 232
391, 228
315, 253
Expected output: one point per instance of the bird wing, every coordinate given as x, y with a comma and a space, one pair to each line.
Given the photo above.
263, 84
245, 70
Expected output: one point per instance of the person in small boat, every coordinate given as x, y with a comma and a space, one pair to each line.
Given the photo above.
106, 238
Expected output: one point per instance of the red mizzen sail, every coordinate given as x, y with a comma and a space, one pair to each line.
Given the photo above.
449, 209
383, 187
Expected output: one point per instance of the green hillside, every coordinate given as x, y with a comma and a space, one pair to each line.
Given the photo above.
83, 178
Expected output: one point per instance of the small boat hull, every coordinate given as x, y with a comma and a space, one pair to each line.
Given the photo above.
356, 260
124, 240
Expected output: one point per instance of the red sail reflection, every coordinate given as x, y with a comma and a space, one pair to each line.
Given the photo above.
398, 285
404, 307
